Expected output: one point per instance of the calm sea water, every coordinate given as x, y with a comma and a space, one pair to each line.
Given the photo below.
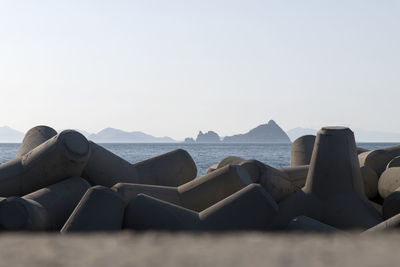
276, 155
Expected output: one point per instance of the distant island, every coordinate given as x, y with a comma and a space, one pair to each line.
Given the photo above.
118, 136
270, 132
264, 133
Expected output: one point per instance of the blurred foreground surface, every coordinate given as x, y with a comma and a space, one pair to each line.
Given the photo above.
183, 249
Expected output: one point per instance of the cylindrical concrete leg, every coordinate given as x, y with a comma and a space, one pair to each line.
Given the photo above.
301, 151
307, 224
148, 213
334, 167
207, 190
370, 179
251, 208
130, 191
296, 175
23, 214
391, 204
170, 169
45, 209
35, 137
63, 156
376, 160
390, 224
277, 183
395, 162
100, 209
389, 181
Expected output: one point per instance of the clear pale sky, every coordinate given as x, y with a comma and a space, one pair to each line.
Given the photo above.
176, 67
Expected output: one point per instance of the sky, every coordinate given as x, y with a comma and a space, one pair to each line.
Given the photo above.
172, 68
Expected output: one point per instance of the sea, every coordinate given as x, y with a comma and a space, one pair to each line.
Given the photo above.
203, 154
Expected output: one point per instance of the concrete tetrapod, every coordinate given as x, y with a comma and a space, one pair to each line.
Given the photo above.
275, 181
62, 156
395, 162
370, 179
35, 137
389, 181
170, 169
392, 150
45, 209
391, 204
301, 150
333, 193
251, 208
376, 160
100, 209
251, 166
307, 224
390, 224
196, 195
297, 175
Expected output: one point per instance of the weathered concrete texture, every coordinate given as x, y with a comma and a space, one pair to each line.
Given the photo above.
390, 224
370, 181
361, 150
100, 209
277, 183
395, 162
297, 175
45, 209
376, 160
155, 249
170, 169
166, 193
307, 224
251, 166
35, 137
391, 204
393, 150
251, 208
62, 156
334, 186
196, 195
301, 150
389, 181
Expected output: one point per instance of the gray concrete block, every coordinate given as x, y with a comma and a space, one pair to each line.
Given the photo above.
307, 224
389, 181
333, 193
297, 175
35, 137
207, 190
395, 162
128, 191
149, 213
100, 209
370, 181
170, 169
391, 204
390, 224
62, 156
277, 183
45, 209
376, 160
301, 150
251, 208
196, 195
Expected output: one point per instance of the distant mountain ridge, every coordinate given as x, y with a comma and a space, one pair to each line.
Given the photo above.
9, 135
264, 133
113, 135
